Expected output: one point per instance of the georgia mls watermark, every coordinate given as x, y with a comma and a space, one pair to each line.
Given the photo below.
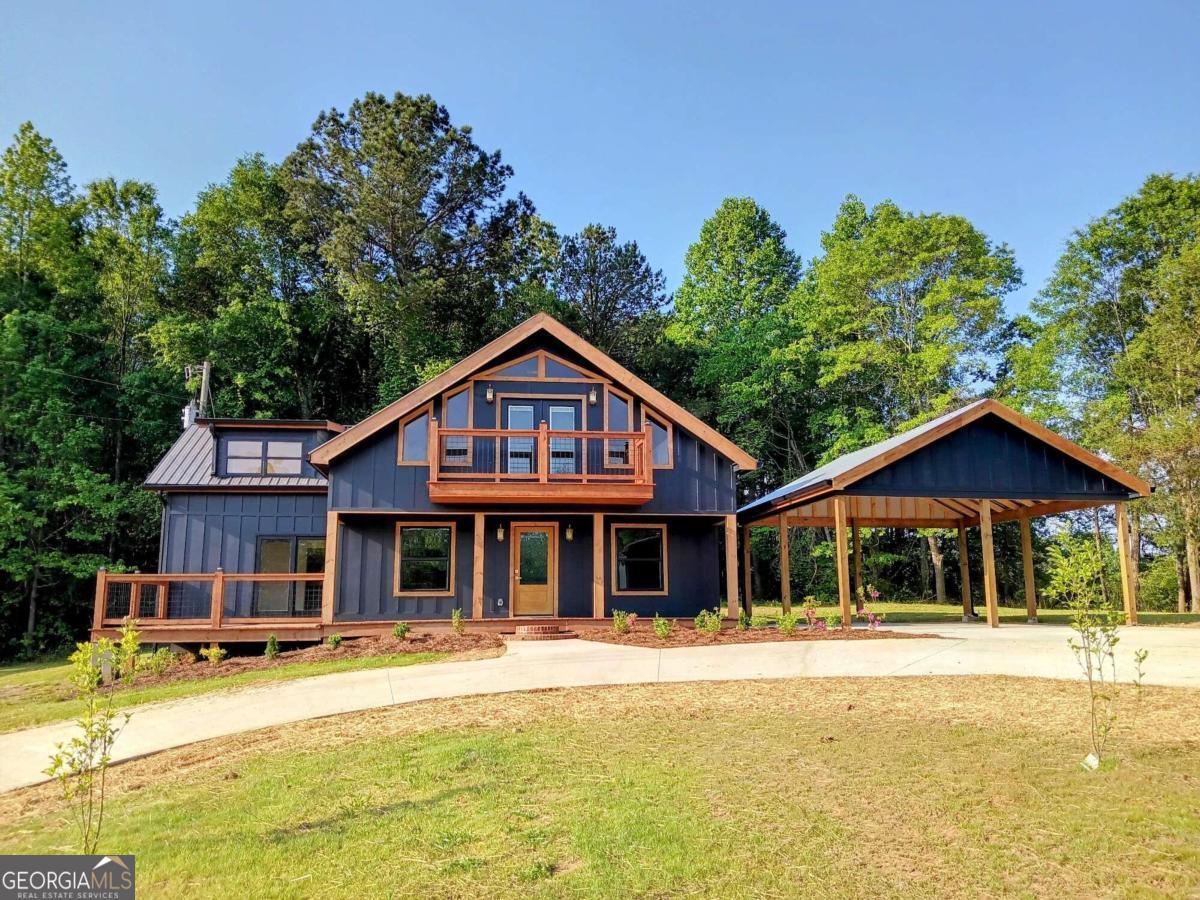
66, 877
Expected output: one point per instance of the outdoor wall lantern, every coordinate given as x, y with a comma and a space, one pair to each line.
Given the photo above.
490, 395
500, 531
592, 397
570, 532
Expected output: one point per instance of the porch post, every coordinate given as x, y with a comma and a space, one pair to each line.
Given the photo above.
216, 602
477, 569
1128, 571
989, 564
101, 598
859, 587
843, 563
731, 567
747, 572
543, 452
329, 584
1027, 560
785, 564
964, 573
597, 565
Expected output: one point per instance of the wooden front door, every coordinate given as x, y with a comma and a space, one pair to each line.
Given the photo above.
535, 569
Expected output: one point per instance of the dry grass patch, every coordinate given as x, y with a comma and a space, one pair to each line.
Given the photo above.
837, 787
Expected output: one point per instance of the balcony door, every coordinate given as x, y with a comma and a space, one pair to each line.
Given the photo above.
526, 414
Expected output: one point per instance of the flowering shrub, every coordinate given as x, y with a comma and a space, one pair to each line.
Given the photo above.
214, 654
662, 627
810, 613
873, 621
623, 621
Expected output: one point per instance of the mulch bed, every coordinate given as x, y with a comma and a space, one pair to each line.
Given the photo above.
686, 636
190, 669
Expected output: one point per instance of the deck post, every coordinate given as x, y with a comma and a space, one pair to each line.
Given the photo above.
543, 457
477, 568
964, 573
859, 588
434, 450
785, 565
216, 603
842, 554
731, 567
647, 454
989, 564
747, 572
329, 583
101, 598
597, 565
1027, 562
1128, 571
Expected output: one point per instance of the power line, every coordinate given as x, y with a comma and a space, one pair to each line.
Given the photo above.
120, 387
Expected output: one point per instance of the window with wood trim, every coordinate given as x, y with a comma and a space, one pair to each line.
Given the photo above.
414, 438
618, 416
639, 559
283, 457
246, 457
662, 440
424, 559
456, 413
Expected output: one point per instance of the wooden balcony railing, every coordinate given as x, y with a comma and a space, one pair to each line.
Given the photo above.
206, 598
498, 465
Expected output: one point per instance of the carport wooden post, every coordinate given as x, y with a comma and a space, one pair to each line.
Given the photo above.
843, 562
964, 573
1128, 572
1027, 560
989, 564
747, 572
731, 567
859, 589
785, 565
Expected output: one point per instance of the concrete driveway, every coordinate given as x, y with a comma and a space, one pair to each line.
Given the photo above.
974, 649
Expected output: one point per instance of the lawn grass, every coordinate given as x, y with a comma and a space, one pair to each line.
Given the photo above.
37, 693
832, 787
952, 612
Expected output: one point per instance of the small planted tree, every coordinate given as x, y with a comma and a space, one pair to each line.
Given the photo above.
80, 765
272, 650
457, 623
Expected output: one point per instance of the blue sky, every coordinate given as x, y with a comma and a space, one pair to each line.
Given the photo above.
1028, 118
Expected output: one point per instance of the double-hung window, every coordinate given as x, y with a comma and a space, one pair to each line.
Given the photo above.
425, 559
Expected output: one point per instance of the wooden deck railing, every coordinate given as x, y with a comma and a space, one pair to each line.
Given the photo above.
208, 598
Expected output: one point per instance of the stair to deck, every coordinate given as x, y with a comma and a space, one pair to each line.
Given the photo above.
547, 632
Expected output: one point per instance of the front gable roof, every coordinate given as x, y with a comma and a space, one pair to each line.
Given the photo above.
601, 362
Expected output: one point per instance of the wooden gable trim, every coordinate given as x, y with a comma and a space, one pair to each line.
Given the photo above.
541, 356
468, 366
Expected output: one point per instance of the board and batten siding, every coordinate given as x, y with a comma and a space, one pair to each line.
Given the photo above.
204, 531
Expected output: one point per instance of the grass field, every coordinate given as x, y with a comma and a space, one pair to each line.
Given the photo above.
920, 787
936, 612
36, 693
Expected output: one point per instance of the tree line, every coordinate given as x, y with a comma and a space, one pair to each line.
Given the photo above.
388, 244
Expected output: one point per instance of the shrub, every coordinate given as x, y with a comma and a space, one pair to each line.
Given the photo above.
129, 646
760, 620
457, 624
214, 654
873, 621
810, 613
743, 622
788, 622
333, 641
622, 621
400, 630
272, 650
155, 663
662, 627
708, 621
833, 620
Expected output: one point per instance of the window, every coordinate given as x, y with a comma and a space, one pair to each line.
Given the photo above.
248, 457
557, 369
283, 555
617, 417
660, 441
283, 457
522, 368
456, 413
414, 439
562, 450
639, 559
244, 457
425, 559
520, 450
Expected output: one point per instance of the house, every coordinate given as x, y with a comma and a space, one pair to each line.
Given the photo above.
537, 479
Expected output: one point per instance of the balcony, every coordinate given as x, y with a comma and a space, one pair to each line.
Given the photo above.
486, 465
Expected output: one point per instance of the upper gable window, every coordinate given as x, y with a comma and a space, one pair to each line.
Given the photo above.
522, 368
414, 439
244, 457
556, 369
662, 455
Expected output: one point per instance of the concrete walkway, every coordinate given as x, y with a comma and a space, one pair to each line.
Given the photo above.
1025, 650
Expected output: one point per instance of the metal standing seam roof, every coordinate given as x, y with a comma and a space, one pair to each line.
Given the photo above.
188, 464
849, 461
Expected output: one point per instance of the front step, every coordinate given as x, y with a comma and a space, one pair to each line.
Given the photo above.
546, 632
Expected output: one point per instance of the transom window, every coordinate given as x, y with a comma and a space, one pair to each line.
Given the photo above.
639, 559
244, 457
414, 439
425, 559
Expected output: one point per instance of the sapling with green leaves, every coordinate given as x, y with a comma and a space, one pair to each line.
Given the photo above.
272, 648
80, 765
662, 627
457, 623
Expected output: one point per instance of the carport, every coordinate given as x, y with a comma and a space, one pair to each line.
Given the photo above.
979, 465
